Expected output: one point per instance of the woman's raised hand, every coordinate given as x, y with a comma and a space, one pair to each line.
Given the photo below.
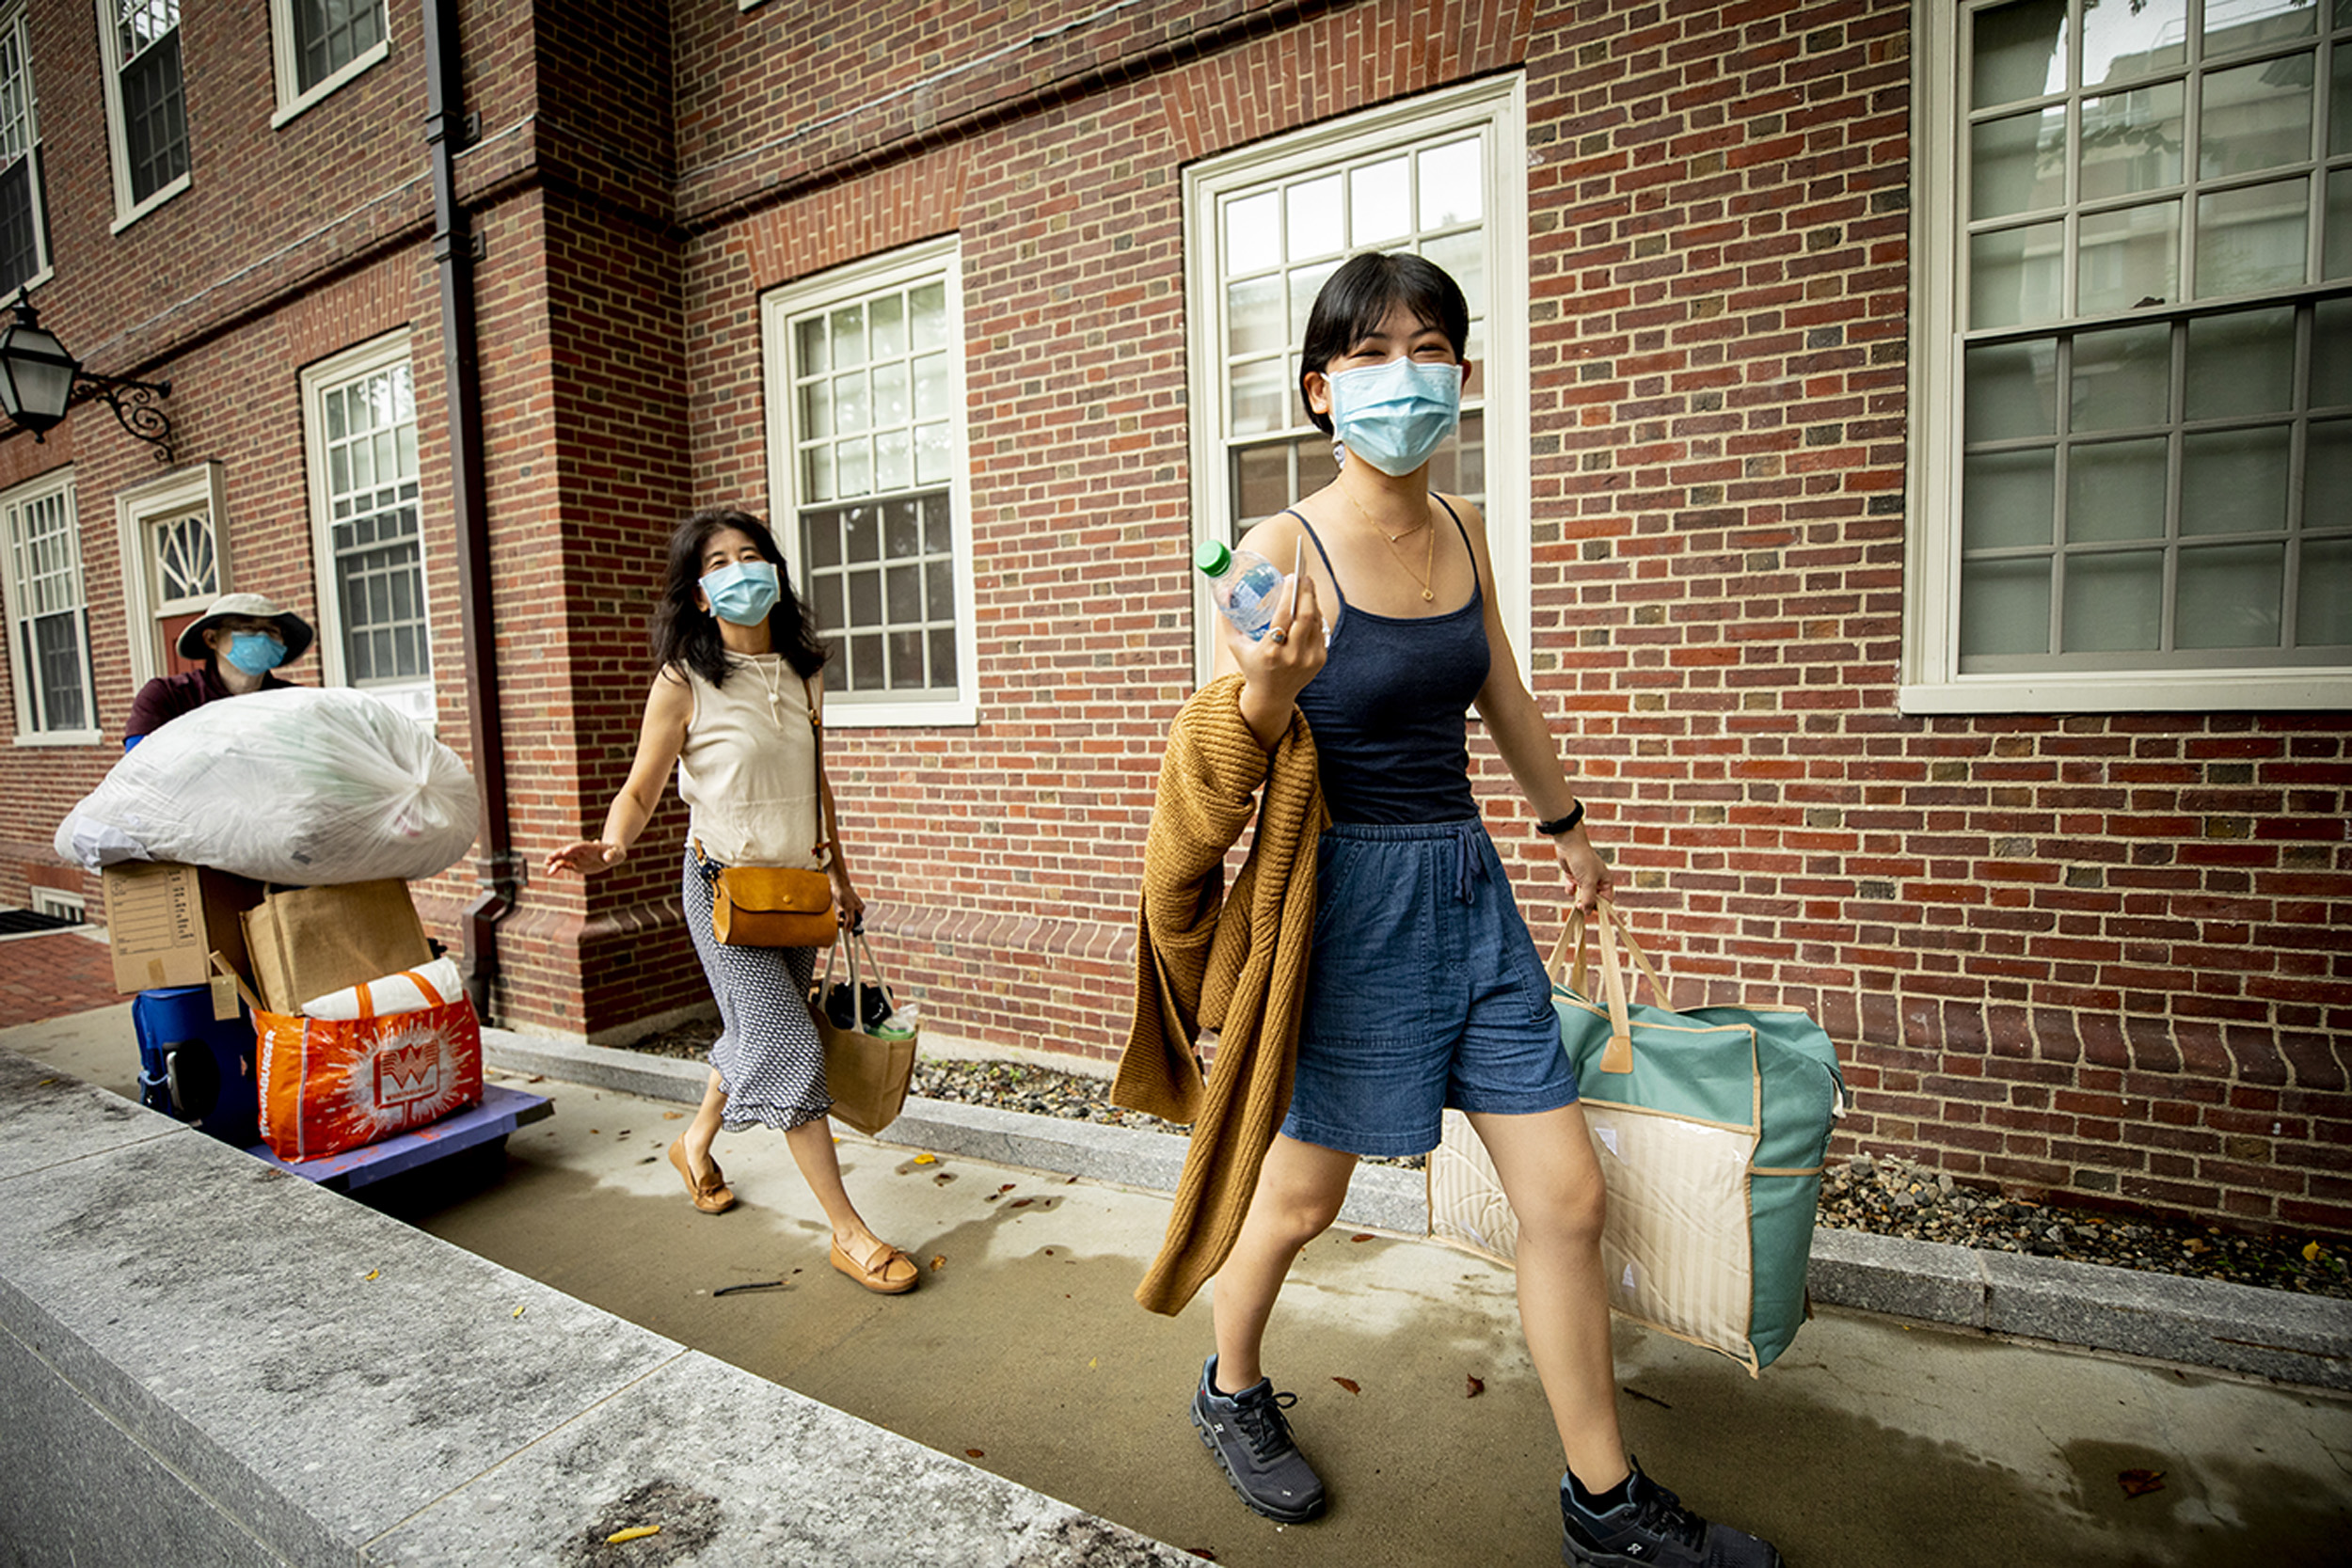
586, 855
1292, 649
1277, 667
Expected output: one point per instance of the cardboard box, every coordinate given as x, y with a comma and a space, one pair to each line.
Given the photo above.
306, 941
166, 921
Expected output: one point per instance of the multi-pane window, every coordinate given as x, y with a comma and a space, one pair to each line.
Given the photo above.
145, 104
1442, 176
319, 44
2150, 350
48, 614
867, 371
1277, 242
362, 428
331, 33
23, 222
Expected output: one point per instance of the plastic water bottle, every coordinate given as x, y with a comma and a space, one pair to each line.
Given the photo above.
1243, 584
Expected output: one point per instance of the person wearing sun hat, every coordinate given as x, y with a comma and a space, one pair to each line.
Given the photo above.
243, 638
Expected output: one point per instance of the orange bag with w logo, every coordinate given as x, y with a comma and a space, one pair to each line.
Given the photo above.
329, 1084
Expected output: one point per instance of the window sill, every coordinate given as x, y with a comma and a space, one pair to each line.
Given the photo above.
293, 107
61, 738
843, 714
2210, 691
152, 203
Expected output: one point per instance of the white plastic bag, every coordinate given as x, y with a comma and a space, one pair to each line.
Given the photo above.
303, 786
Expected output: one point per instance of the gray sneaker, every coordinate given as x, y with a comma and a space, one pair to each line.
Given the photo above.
1251, 1440
1652, 1529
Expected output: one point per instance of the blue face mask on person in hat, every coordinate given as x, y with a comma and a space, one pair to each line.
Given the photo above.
256, 653
1396, 414
743, 593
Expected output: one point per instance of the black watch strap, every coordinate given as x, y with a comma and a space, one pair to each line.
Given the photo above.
1559, 825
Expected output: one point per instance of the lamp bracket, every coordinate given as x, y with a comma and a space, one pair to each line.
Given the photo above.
133, 405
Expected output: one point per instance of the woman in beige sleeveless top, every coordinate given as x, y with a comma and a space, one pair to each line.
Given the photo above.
736, 715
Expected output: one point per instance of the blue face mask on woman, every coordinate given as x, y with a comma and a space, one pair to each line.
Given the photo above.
1396, 414
743, 593
256, 653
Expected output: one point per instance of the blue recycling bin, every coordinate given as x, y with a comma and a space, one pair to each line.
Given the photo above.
193, 1067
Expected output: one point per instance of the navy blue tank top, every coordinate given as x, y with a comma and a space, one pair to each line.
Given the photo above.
1387, 707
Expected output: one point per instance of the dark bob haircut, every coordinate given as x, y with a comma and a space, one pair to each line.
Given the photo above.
686, 634
1355, 300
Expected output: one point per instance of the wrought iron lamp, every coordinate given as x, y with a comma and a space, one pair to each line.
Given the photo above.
40, 381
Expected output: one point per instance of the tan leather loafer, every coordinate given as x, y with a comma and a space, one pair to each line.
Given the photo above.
711, 1195
888, 1273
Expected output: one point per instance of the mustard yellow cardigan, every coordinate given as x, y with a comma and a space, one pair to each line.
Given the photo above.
1234, 963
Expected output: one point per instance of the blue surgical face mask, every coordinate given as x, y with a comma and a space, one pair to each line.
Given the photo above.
743, 593
256, 653
1394, 415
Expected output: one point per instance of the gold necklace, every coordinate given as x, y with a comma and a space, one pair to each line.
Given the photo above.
1429, 564
1375, 522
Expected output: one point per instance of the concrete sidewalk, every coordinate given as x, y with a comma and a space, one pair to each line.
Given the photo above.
1875, 1440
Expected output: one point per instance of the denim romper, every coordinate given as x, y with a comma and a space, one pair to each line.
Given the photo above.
1423, 988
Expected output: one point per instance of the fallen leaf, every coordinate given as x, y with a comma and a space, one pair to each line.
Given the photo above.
927, 1159
1049, 1252
1021, 1203
1349, 1384
1202, 1552
622, 1133
943, 1177
2139, 1483
2313, 1252
668, 1116
1477, 1386
518, 1312
1071, 1181
634, 1533
1361, 1236
974, 1453
372, 1274
1008, 1186
939, 1261
596, 1130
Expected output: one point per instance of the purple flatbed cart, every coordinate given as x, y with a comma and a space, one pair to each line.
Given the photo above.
500, 1112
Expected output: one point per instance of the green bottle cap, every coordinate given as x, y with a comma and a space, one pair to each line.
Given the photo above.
1211, 557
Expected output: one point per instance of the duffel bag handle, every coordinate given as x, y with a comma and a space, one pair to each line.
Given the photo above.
1618, 1057
1573, 951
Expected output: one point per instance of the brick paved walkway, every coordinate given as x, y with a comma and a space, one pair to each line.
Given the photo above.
55, 973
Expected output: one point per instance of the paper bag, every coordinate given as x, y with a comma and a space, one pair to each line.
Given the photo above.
306, 942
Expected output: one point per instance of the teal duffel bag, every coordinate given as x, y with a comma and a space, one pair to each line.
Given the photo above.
1712, 1126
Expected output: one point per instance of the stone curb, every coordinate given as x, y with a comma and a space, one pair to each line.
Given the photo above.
205, 1360
2202, 1322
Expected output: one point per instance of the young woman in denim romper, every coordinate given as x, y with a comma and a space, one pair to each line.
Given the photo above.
1423, 989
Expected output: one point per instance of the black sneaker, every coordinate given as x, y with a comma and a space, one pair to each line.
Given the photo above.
1652, 1529
1251, 1440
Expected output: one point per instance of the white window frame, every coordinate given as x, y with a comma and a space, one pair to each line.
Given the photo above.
286, 56
61, 904
940, 258
1496, 107
128, 211
1930, 677
60, 482
187, 490
415, 698
16, 19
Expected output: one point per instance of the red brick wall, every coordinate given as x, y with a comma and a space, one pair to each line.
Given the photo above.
2087, 955
2084, 955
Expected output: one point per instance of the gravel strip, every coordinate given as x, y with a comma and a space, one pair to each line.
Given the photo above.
1885, 1195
